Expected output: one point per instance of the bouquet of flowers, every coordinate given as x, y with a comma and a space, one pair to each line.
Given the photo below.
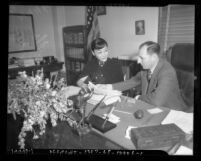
38, 101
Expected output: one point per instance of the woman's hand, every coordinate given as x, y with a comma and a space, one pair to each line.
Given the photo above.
70, 91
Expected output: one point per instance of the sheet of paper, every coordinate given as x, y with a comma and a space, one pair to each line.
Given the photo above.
112, 118
111, 99
154, 110
182, 119
131, 100
103, 91
183, 150
128, 130
95, 99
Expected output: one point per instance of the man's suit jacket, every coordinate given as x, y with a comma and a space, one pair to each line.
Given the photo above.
163, 89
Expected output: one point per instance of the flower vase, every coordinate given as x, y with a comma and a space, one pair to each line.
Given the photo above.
81, 130
36, 131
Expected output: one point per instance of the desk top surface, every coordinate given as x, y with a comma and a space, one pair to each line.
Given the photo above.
124, 110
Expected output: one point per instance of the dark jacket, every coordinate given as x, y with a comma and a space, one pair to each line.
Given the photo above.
110, 72
163, 89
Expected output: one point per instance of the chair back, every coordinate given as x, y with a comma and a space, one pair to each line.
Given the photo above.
181, 56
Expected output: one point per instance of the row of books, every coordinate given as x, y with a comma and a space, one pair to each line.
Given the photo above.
75, 66
74, 38
75, 53
10, 66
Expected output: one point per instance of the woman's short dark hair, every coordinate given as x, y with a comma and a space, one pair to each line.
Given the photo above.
152, 47
98, 43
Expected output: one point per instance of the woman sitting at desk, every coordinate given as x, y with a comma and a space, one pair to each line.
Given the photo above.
101, 69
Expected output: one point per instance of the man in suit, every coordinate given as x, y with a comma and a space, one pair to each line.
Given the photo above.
158, 79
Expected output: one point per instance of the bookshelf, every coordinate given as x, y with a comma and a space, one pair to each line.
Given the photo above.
74, 38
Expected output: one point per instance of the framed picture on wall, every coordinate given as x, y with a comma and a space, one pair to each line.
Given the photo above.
140, 27
101, 10
21, 33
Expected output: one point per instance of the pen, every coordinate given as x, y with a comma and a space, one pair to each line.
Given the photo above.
111, 110
108, 115
123, 112
96, 106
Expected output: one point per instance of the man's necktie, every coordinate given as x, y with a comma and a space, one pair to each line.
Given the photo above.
148, 75
148, 79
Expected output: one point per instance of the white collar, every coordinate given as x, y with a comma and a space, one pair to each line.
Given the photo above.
152, 69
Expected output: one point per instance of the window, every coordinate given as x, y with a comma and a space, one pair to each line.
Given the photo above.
176, 25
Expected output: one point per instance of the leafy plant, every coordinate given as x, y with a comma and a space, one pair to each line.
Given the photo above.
35, 99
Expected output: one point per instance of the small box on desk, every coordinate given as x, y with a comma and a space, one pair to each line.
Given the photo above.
156, 137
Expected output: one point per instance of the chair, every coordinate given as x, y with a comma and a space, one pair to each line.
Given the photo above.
181, 56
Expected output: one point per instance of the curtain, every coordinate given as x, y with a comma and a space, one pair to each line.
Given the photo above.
176, 25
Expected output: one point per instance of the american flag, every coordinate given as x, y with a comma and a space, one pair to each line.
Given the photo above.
93, 30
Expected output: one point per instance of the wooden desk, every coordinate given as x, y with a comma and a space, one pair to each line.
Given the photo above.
58, 137
62, 136
118, 134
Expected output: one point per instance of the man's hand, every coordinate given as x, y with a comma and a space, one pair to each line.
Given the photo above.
106, 89
104, 86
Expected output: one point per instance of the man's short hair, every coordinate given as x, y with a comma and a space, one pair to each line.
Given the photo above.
152, 47
98, 43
